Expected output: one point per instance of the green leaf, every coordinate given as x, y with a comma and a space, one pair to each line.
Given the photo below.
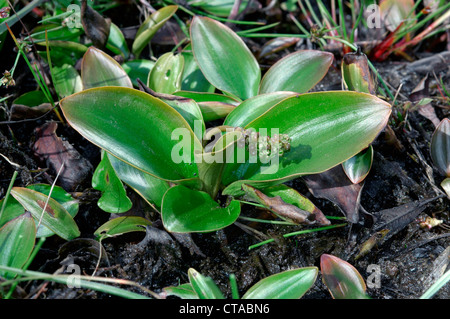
17, 239
221, 8
254, 107
150, 188
166, 75
62, 197
121, 225
193, 78
55, 217
224, 59
116, 42
114, 198
186, 210
440, 147
66, 80
213, 106
31, 98
289, 284
99, 69
201, 97
63, 52
150, 26
138, 69
204, 286
325, 129
13, 208
358, 167
184, 291
122, 122
297, 72
342, 279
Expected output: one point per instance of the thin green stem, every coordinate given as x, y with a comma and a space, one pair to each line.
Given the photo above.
436, 286
8, 191
234, 287
274, 35
301, 232
87, 282
275, 222
342, 19
265, 27
313, 13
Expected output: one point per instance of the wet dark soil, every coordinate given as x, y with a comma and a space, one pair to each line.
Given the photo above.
402, 172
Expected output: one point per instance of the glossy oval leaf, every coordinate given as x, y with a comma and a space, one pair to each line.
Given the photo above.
62, 197
55, 217
150, 188
193, 78
66, 80
17, 238
325, 129
221, 8
138, 69
342, 279
358, 167
166, 75
254, 107
200, 97
122, 225
150, 26
289, 284
117, 43
185, 210
99, 69
204, 286
123, 122
440, 147
114, 198
224, 59
298, 72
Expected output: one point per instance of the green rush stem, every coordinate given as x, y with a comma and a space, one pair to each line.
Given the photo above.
342, 19
36, 249
313, 13
258, 28
37, 78
275, 222
15, 64
301, 232
49, 59
444, 279
274, 35
299, 25
358, 21
11, 183
62, 15
234, 287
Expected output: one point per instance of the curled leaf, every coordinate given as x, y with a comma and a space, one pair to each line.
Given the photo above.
342, 279
440, 147
279, 207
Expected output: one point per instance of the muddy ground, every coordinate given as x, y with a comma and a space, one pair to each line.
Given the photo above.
409, 261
